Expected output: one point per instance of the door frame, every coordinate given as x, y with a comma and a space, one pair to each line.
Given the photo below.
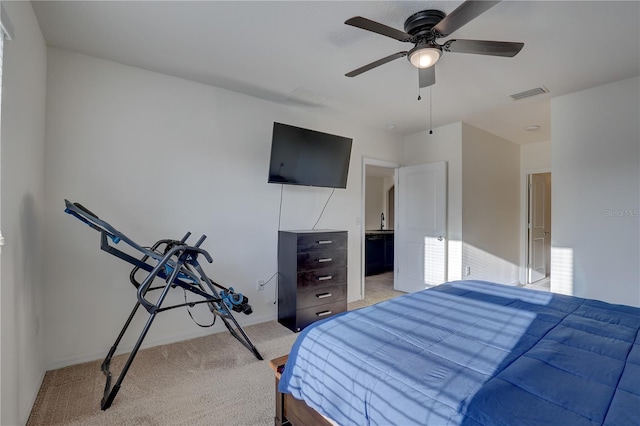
524, 212
369, 161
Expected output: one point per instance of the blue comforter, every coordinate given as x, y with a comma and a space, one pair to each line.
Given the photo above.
472, 353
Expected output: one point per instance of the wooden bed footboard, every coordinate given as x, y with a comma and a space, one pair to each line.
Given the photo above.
291, 411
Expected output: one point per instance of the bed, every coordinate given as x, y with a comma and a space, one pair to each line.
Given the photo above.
466, 353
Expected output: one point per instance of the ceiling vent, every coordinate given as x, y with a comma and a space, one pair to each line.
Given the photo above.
529, 93
306, 97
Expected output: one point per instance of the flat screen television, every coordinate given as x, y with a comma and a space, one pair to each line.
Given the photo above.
308, 157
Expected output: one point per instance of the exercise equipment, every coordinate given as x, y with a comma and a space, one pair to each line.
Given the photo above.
177, 264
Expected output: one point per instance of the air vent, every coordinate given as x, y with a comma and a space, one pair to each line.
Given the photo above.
529, 93
306, 97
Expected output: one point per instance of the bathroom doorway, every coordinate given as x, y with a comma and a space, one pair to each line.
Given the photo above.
538, 242
378, 233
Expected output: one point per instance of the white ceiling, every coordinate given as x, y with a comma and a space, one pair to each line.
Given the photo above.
298, 52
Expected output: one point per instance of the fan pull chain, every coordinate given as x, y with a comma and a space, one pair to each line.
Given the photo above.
430, 109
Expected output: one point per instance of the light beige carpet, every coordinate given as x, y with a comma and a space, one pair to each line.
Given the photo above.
211, 380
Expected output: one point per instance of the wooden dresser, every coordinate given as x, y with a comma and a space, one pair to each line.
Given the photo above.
312, 282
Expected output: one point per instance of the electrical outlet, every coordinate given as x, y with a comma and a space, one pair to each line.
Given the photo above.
260, 285
467, 271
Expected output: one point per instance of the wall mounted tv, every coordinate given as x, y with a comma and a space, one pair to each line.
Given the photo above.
307, 157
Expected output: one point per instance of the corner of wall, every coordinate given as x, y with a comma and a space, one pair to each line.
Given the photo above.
22, 177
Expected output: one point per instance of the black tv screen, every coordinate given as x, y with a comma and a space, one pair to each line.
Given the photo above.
308, 157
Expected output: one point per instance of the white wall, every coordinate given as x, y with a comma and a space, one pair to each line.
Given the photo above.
596, 193
157, 156
374, 201
22, 186
535, 156
445, 144
377, 201
490, 206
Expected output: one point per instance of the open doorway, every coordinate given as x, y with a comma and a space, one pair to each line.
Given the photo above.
378, 217
538, 241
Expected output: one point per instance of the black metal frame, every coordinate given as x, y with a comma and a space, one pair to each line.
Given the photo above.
178, 266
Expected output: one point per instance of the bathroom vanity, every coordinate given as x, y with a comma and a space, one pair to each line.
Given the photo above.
378, 251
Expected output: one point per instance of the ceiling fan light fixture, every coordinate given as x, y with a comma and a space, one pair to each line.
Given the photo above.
424, 56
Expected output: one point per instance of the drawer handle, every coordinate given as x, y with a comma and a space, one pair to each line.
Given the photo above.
323, 313
325, 242
325, 278
323, 295
325, 259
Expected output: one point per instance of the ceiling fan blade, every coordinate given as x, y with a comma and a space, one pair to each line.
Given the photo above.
427, 76
376, 27
376, 64
465, 13
484, 47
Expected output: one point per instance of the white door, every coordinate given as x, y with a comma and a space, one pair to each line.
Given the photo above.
539, 227
420, 229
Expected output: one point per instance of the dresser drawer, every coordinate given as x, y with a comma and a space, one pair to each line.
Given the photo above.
304, 317
321, 259
322, 241
321, 295
322, 278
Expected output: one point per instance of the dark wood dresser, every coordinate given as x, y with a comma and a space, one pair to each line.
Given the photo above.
312, 282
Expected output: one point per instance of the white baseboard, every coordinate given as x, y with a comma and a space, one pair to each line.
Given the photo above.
165, 340
25, 411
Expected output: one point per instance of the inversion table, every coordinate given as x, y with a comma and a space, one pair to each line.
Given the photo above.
177, 264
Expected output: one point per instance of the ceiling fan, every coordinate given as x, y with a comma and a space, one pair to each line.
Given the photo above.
424, 28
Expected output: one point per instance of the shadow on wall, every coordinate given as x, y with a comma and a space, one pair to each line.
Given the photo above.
482, 264
26, 298
487, 266
29, 228
444, 261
